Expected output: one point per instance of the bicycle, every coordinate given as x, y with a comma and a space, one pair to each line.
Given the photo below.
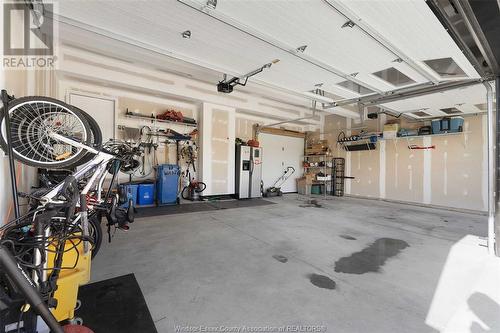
48, 133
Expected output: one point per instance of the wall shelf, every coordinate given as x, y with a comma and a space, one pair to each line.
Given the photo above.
422, 136
323, 155
155, 120
411, 137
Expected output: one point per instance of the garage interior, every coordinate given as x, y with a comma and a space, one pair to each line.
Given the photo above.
273, 166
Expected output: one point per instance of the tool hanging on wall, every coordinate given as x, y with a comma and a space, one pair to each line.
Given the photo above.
193, 190
148, 159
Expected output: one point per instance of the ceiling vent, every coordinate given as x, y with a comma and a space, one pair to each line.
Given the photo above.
451, 111
212, 4
355, 87
445, 67
420, 114
394, 77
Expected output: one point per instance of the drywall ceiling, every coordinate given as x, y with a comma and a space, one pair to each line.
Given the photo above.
239, 36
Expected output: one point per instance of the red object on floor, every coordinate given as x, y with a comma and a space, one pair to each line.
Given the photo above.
76, 329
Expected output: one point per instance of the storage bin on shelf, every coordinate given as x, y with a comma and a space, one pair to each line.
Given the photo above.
316, 189
390, 131
447, 125
456, 124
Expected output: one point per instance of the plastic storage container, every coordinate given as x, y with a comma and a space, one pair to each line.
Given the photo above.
131, 192
447, 125
146, 194
456, 124
316, 189
167, 183
440, 126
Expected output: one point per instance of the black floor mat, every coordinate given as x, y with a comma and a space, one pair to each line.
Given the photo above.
115, 306
200, 207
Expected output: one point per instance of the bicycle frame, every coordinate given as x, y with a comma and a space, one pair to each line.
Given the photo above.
100, 161
30, 285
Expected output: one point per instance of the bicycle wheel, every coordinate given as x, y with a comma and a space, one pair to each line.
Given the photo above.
32, 120
95, 141
95, 231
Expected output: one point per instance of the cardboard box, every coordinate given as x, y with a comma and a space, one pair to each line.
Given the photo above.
316, 151
390, 134
391, 128
317, 147
309, 177
303, 187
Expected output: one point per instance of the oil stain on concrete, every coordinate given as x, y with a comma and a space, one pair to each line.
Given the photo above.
280, 258
322, 281
311, 203
371, 258
348, 237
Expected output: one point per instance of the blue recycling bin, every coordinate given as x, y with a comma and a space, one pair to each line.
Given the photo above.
167, 183
146, 194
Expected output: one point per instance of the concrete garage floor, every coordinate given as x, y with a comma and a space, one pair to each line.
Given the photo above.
351, 265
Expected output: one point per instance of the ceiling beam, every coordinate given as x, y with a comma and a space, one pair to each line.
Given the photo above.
273, 42
405, 94
384, 42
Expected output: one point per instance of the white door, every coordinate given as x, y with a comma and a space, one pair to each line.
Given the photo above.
217, 149
101, 109
278, 153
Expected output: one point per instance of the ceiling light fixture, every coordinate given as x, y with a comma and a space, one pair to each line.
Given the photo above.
348, 24
301, 48
212, 4
186, 34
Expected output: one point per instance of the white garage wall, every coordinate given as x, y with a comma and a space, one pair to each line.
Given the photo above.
452, 175
18, 83
86, 73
